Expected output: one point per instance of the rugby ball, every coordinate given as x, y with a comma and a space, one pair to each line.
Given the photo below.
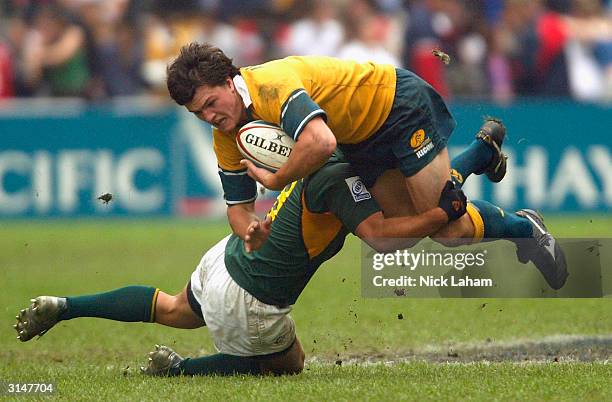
264, 144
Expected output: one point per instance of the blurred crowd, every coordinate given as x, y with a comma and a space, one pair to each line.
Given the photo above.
499, 49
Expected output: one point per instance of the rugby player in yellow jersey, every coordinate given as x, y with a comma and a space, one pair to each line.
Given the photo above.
321, 102
391, 126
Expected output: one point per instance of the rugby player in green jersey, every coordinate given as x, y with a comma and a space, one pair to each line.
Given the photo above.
243, 290
244, 295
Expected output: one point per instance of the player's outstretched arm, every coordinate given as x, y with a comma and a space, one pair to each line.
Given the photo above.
313, 148
240, 216
388, 234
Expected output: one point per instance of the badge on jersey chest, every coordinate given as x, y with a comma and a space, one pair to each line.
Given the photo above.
358, 190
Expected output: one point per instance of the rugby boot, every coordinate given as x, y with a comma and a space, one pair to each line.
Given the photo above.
543, 250
493, 132
163, 361
39, 317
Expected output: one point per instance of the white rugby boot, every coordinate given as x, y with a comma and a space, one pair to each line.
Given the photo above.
543, 250
39, 317
161, 361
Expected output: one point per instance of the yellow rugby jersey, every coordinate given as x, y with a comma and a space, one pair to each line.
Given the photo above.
354, 98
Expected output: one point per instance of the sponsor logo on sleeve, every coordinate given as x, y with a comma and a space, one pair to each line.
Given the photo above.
358, 190
421, 143
417, 138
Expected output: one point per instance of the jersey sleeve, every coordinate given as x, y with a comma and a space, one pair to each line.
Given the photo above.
337, 189
297, 111
280, 96
238, 187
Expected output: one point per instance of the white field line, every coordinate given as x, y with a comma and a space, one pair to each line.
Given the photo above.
556, 348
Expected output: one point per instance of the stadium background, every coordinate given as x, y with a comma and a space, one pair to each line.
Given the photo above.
108, 126
101, 121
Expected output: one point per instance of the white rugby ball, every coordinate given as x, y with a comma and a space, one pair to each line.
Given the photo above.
264, 144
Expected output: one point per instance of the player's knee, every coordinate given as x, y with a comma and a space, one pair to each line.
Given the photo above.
290, 363
284, 367
296, 362
293, 369
297, 369
300, 360
170, 307
165, 304
297, 365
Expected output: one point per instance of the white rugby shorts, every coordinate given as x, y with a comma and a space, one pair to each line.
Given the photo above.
240, 324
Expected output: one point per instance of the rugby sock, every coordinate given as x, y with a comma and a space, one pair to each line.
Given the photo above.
493, 222
220, 364
131, 304
475, 158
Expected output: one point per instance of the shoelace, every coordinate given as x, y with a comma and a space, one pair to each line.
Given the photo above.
489, 140
543, 239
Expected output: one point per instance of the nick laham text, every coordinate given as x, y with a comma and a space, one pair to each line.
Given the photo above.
432, 281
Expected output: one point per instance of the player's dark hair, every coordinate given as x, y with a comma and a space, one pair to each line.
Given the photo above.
198, 64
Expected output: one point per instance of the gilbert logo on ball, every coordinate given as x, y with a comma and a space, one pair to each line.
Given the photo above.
264, 144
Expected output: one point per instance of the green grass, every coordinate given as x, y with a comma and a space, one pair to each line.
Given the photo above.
86, 357
416, 381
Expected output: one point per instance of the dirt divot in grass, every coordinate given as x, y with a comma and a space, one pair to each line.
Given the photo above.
558, 348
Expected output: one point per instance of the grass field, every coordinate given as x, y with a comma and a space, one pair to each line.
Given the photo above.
504, 349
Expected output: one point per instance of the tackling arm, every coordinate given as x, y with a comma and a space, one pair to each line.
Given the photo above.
240, 216
391, 234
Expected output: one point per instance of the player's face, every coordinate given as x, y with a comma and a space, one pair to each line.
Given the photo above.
218, 105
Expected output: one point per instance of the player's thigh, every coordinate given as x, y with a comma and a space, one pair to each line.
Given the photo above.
391, 194
425, 186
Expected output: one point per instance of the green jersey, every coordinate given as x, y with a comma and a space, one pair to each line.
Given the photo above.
310, 220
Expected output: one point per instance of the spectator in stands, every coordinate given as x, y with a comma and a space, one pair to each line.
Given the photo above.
16, 32
428, 26
589, 50
55, 56
367, 44
214, 30
6, 67
544, 47
99, 48
466, 73
319, 33
165, 30
117, 46
550, 63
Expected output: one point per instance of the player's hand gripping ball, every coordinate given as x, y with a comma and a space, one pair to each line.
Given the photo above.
264, 144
